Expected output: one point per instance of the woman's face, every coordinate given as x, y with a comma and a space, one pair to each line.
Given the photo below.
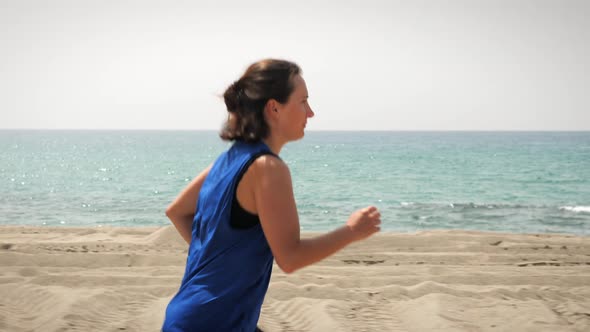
294, 113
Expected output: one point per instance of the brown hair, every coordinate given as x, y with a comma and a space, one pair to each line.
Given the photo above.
246, 98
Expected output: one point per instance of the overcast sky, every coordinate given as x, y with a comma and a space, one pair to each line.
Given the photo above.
369, 65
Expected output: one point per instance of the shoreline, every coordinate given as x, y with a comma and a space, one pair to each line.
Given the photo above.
57, 278
303, 232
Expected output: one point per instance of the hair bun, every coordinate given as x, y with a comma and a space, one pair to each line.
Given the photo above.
232, 97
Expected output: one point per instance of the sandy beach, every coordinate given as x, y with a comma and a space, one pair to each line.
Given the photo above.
120, 279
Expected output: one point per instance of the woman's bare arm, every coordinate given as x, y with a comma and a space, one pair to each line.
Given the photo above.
182, 210
275, 205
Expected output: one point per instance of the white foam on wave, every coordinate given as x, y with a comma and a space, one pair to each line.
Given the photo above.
576, 208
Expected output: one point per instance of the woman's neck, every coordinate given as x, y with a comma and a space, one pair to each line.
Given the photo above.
274, 144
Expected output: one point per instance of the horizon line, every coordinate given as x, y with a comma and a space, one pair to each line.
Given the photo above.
310, 130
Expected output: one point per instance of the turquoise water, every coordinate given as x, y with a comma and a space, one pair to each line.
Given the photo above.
499, 181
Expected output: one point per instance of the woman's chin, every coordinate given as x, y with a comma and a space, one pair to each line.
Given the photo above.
300, 136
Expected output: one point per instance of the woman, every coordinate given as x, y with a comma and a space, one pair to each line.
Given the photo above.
240, 213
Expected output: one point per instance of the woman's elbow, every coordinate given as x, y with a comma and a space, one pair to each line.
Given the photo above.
172, 212
287, 269
286, 266
169, 211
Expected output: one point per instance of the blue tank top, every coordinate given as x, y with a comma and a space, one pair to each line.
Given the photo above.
227, 269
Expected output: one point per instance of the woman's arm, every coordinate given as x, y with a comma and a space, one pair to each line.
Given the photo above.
275, 205
182, 210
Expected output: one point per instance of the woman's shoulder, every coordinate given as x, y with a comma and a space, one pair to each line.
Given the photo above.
269, 167
269, 162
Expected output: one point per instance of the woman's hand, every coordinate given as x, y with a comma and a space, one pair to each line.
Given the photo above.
364, 222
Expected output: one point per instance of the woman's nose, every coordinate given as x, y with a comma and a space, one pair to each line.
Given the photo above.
310, 113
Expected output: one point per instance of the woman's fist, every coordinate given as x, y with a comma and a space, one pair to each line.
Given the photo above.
364, 222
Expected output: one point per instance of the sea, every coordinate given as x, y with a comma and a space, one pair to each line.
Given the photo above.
519, 182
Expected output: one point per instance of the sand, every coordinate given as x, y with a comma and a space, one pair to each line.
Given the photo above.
120, 279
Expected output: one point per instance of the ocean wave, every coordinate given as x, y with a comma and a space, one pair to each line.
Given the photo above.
577, 209
466, 206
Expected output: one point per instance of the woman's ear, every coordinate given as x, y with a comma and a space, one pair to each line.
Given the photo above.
271, 110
